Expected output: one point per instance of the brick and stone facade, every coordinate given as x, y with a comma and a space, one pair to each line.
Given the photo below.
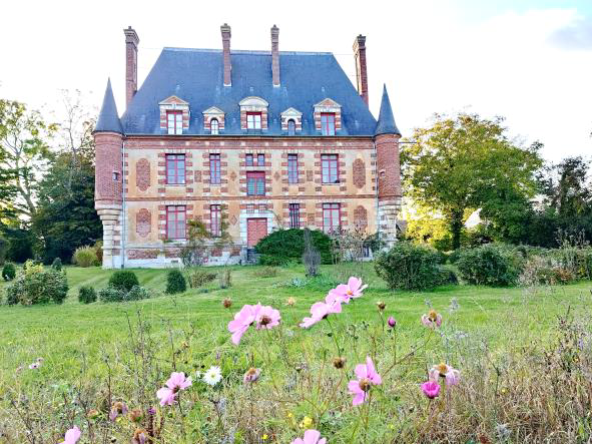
262, 179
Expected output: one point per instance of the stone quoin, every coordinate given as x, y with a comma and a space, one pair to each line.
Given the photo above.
267, 139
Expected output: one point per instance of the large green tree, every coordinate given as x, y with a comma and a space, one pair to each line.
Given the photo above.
468, 162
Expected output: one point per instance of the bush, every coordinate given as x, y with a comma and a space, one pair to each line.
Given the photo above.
492, 265
288, 245
123, 280
200, 277
175, 282
544, 270
409, 267
85, 257
8, 271
111, 294
266, 272
57, 264
98, 246
36, 285
137, 293
87, 295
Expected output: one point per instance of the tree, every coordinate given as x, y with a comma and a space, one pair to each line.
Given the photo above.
464, 163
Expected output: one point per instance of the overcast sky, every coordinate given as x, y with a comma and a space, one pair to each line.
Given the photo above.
530, 63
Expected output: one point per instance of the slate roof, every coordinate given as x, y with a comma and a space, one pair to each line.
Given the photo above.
386, 119
108, 120
196, 76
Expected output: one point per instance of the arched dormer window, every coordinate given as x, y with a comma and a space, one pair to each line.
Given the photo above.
214, 127
254, 114
291, 127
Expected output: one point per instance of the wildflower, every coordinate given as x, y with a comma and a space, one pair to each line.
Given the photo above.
381, 305
267, 317
431, 389
432, 319
118, 408
227, 303
176, 382
213, 376
353, 289
93, 414
72, 436
242, 321
34, 366
140, 437
305, 423
320, 310
310, 437
136, 415
252, 375
451, 375
339, 362
392, 322
367, 377
265, 437
291, 301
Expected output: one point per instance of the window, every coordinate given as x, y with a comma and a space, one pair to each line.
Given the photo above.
292, 169
328, 124
215, 220
255, 183
175, 122
215, 169
291, 127
251, 160
253, 121
175, 167
261, 160
214, 127
175, 222
331, 217
330, 168
294, 215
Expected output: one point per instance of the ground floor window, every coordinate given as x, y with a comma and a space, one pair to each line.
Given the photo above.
331, 217
294, 215
175, 218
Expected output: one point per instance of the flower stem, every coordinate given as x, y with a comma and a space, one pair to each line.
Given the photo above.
334, 338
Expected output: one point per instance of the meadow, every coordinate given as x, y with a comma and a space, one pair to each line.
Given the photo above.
503, 340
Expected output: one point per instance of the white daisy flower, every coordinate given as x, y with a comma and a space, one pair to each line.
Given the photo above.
213, 376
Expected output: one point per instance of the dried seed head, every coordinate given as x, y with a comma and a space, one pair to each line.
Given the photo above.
433, 315
365, 384
381, 305
92, 414
136, 415
227, 303
339, 362
442, 369
291, 302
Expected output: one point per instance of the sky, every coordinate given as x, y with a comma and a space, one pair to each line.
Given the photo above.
528, 61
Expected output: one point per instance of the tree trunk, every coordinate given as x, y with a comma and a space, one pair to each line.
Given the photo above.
456, 225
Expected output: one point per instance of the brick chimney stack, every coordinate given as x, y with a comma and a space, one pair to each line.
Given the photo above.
275, 55
361, 68
131, 64
225, 29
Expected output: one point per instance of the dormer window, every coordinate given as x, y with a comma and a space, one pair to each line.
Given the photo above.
291, 127
213, 120
214, 127
327, 116
174, 115
254, 114
291, 121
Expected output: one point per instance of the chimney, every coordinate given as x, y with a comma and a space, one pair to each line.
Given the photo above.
131, 64
361, 68
275, 55
225, 29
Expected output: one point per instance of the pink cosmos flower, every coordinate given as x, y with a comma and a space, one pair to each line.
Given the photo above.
242, 321
451, 375
432, 319
72, 436
176, 382
310, 437
267, 317
353, 289
431, 389
367, 377
320, 310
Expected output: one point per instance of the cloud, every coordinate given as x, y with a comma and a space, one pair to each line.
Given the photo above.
576, 35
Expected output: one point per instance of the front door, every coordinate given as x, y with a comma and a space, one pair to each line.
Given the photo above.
256, 230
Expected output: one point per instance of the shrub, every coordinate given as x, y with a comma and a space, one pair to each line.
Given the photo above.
87, 295
137, 293
493, 265
123, 280
409, 267
111, 294
200, 277
98, 246
57, 264
288, 245
8, 271
37, 286
175, 282
85, 257
225, 279
272, 261
266, 272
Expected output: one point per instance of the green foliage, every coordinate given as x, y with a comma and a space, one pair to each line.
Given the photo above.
266, 272
36, 285
111, 294
464, 163
87, 294
137, 293
85, 257
493, 265
199, 277
175, 282
8, 271
123, 280
20, 243
283, 246
57, 264
225, 278
410, 267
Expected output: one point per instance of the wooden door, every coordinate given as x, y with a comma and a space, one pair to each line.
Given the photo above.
256, 230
